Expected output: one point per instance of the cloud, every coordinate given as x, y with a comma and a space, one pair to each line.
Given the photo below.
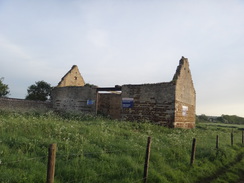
118, 42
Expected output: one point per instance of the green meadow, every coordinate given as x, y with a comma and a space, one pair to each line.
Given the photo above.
96, 149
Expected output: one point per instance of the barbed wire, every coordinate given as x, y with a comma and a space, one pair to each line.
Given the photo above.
137, 151
73, 154
89, 153
111, 151
20, 160
102, 174
97, 175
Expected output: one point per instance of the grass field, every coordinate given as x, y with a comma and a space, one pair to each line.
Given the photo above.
223, 125
95, 149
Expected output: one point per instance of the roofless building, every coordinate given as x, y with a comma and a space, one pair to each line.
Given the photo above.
169, 104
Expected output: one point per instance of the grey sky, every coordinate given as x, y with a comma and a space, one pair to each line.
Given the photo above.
127, 41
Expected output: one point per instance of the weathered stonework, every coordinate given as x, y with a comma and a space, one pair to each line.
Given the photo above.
74, 99
185, 96
169, 104
153, 102
109, 104
13, 104
72, 78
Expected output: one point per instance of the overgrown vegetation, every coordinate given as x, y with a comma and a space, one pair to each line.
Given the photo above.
95, 149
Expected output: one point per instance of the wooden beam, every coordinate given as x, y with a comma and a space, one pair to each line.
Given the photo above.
116, 88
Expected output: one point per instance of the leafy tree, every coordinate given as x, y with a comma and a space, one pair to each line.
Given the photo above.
4, 90
202, 118
232, 119
41, 90
91, 85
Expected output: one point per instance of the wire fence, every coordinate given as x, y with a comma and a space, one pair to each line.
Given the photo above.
21, 160
143, 162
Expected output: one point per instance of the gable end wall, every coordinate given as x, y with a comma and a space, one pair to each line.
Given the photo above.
72, 78
185, 97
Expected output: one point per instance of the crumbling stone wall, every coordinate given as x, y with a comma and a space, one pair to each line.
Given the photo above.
75, 99
153, 102
23, 105
170, 104
109, 104
185, 96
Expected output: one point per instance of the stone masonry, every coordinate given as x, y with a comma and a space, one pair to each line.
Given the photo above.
13, 104
74, 99
169, 104
185, 96
153, 102
72, 78
109, 104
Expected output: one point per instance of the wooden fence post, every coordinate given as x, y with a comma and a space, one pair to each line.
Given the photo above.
193, 151
51, 163
242, 137
147, 157
217, 141
232, 138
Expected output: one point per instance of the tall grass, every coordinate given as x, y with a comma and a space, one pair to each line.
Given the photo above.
95, 149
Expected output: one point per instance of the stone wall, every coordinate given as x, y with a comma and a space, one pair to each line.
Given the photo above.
109, 104
185, 95
153, 102
24, 105
74, 99
184, 115
170, 104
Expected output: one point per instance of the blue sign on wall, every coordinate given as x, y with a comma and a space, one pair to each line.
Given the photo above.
90, 102
127, 102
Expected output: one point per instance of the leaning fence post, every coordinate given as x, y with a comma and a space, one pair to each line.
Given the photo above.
51, 163
193, 151
147, 157
217, 141
242, 137
232, 138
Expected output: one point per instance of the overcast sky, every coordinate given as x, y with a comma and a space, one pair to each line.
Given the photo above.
127, 42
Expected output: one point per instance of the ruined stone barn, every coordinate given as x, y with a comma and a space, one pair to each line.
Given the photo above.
169, 104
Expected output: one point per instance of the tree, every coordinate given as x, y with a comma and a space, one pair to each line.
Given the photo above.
41, 90
4, 90
202, 118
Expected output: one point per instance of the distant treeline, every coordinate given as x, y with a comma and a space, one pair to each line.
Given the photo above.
228, 119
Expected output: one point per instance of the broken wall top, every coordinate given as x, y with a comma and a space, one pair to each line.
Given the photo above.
183, 70
185, 91
72, 78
